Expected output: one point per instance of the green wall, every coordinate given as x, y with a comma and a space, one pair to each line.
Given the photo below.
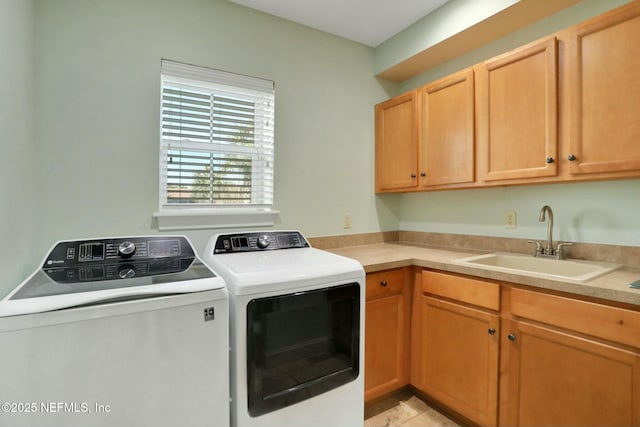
18, 167
595, 212
95, 132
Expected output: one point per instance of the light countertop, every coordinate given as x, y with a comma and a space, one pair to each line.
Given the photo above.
613, 286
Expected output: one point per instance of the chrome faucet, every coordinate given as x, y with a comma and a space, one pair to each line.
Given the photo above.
549, 251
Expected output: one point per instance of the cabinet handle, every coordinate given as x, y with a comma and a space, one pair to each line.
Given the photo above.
511, 337
572, 157
423, 174
413, 175
383, 283
492, 331
550, 160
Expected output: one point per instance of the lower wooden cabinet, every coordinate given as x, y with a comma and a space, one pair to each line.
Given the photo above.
569, 362
456, 356
560, 379
459, 348
387, 332
500, 354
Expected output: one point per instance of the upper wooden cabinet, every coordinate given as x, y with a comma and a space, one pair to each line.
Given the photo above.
396, 143
517, 114
565, 108
446, 129
604, 91
425, 138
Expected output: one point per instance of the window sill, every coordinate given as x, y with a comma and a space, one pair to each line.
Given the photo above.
192, 219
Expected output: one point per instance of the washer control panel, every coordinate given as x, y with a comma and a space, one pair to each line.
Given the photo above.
259, 241
79, 261
96, 251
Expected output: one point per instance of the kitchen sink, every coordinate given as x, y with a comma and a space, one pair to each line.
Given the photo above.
574, 270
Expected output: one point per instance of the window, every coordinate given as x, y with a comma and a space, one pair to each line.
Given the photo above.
216, 139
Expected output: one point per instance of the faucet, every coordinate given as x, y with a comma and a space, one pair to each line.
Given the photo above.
549, 251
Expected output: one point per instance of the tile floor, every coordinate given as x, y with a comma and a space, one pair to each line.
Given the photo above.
404, 410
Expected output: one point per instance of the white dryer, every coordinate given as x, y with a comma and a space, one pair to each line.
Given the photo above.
297, 330
116, 332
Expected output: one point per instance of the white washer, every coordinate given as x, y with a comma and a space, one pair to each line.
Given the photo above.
116, 332
297, 330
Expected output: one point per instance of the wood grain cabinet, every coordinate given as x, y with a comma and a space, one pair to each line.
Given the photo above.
455, 356
396, 143
446, 131
426, 138
570, 362
564, 108
604, 93
499, 354
387, 332
517, 114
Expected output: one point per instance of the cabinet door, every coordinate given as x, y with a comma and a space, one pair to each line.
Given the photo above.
397, 143
459, 358
447, 131
557, 379
385, 346
604, 67
517, 114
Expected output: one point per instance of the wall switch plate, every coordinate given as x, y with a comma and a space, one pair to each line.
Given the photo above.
510, 219
346, 221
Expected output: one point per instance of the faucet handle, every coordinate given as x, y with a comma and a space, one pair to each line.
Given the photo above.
538, 246
560, 250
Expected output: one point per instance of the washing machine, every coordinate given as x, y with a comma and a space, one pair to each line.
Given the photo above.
128, 331
297, 330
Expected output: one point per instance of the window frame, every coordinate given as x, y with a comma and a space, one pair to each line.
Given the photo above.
173, 216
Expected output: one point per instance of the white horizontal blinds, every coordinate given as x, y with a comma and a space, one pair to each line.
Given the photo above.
217, 142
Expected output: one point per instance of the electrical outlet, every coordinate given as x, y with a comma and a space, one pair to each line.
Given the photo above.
346, 221
510, 219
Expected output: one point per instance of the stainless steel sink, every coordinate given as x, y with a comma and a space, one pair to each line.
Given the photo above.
574, 270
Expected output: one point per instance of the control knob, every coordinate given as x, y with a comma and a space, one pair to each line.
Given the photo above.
263, 241
126, 249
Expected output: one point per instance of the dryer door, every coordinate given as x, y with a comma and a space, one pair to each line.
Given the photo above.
301, 345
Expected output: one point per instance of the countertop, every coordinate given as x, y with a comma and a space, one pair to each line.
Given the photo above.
613, 286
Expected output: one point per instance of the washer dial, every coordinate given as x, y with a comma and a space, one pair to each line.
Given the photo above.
126, 249
263, 241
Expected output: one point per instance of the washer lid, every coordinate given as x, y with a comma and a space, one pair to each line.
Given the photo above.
253, 272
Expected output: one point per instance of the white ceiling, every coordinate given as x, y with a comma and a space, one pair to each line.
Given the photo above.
370, 22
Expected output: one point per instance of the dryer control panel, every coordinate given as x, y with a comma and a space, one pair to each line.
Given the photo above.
259, 241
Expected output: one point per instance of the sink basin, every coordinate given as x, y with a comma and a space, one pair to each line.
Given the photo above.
574, 270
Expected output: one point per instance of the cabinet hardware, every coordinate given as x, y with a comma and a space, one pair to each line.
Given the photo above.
383, 283
423, 174
492, 331
550, 160
572, 157
511, 337
413, 175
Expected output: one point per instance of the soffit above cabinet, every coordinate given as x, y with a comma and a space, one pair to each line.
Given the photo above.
458, 27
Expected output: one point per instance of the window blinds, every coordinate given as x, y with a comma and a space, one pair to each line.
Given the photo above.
216, 138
